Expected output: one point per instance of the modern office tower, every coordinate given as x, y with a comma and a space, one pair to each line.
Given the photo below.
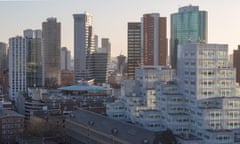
34, 57
83, 47
65, 59
101, 61
188, 25
134, 48
106, 44
230, 60
51, 37
208, 83
154, 39
121, 61
236, 64
95, 42
100, 65
66, 70
3, 68
17, 66
3, 56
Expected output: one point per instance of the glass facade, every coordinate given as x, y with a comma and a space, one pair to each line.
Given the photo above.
34, 63
188, 25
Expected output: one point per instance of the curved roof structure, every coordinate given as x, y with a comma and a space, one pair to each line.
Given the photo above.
83, 87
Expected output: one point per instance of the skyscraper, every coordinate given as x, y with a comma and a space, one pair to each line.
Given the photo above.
83, 46
3, 67
100, 65
34, 57
96, 42
51, 35
106, 44
154, 39
3, 57
236, 64
189, 24
17, 66
65, 59
121, 64
134, 48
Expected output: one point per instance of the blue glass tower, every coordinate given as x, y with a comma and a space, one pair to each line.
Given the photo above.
188, 25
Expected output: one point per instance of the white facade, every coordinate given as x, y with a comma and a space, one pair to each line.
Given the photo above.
209, 85
138, 97
150, 77
150, 119
17, 66
172, 105
200, 106
83, 46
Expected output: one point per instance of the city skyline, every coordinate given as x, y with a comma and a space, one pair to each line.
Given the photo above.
111, 17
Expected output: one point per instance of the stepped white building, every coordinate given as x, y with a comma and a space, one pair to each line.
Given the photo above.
209, 86
137, 103
201, 106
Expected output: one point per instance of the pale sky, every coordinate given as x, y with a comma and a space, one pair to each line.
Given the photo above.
110, 18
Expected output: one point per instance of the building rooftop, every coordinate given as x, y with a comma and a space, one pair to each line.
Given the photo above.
188, 137
188, 8
4, 112
83, 87
125, 131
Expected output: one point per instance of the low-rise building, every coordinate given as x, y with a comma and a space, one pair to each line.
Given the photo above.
92, 128
11, 126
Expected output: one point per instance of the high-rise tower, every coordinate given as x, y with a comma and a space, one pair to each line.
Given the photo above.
106, 44
51, 35
3, 57
83, 47
236, 59
34, 57
188, 25
3, 68
154, 39
134, 48
17, 66
65, 59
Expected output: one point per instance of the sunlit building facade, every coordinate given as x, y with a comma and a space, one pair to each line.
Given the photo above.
236, 60
134, 48
83, 47
154, 39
